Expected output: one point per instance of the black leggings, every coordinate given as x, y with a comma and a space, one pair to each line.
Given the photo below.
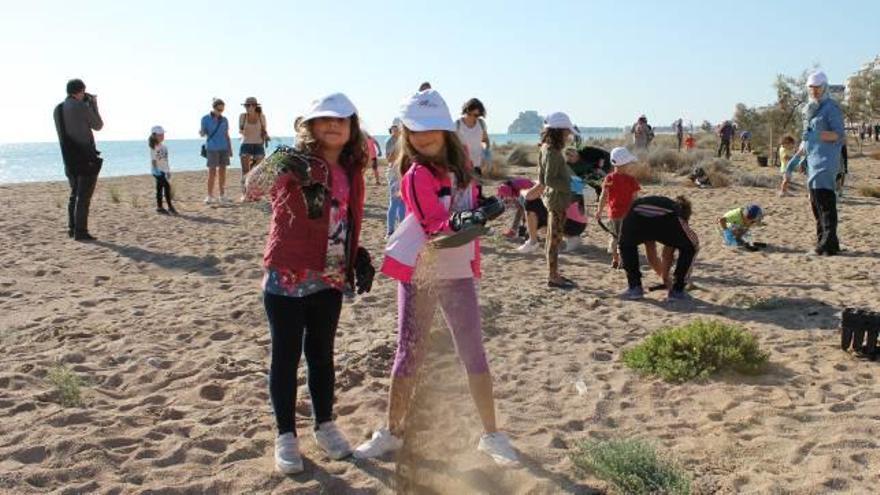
300, 324
668, 230
162, 187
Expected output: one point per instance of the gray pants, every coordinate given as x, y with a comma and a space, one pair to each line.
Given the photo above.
81, 189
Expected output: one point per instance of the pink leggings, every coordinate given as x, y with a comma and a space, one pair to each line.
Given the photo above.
415, 313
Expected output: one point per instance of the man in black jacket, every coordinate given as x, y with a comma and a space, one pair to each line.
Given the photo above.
75, 118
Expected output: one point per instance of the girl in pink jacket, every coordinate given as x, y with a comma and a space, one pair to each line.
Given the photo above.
440, 195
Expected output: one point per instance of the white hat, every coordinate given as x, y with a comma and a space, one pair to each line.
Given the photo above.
335, 105
426, 111
817, 78
395, 122
558, 120
621, 156
157, 129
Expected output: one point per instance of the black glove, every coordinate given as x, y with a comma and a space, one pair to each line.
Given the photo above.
491, 209
363, 271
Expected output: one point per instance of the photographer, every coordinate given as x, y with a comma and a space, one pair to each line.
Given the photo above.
75, 118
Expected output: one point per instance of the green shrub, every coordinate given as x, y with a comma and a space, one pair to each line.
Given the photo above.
697, 350
631, 467
67, 385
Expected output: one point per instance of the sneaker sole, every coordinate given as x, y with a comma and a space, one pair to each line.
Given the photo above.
289, 470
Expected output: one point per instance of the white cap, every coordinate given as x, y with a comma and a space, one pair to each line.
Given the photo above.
621, 156
426, 111
558, 120
817, 78
335, 105
395, 122
157, 129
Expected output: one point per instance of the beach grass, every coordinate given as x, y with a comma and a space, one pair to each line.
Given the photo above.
697, 350
115, 194
869, 191
631, 467
67, 385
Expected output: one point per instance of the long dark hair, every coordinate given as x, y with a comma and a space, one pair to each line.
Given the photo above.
152, 141
353, 157
454, 160
554, 138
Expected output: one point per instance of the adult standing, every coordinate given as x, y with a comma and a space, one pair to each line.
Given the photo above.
678, 127
254, 135
642, 133
663, 220
471, 130
821, 144
745, 141
218, 150
725, 132
75, 119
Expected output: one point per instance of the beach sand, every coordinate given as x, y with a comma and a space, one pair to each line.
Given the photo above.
162, 319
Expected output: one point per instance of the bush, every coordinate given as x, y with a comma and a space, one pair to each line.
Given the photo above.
67, 386
115, 195
757, 180
697, 350
520, 156
645, 174
870, 191
631, 467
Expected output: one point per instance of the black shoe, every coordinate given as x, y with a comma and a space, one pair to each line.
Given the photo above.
161, 211
84, 237
172, 211
70, 234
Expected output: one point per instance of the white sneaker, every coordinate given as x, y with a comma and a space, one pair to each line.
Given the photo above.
223, 200
529, 246
287, 457
381, 443
332, 441
497, 446
209, 200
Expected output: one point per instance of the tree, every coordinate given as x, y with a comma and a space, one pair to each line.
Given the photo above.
706, 126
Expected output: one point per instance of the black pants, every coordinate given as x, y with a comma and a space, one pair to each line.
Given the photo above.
668, 230
725, 148
162, 188
81, 189
824, 204
300, 324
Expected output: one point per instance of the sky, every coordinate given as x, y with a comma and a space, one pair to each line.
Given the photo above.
602, 62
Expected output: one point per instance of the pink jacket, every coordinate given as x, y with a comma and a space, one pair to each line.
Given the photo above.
427, 199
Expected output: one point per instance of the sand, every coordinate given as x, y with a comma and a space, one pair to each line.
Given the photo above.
162, 320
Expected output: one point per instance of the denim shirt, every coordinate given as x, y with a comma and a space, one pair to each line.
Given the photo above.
823, 158
218, 141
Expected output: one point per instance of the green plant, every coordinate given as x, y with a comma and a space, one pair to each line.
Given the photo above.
67, 385
135, 201
759, 303
697, 350
757, 180
870, 191
115, 195
631, 467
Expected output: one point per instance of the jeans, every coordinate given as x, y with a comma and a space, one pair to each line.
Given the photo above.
302, 325
396, 211
81, 189
824, 205
669, 230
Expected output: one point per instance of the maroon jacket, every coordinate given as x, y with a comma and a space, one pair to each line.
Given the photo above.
297, 242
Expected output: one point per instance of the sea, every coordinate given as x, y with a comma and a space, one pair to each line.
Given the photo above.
41, 162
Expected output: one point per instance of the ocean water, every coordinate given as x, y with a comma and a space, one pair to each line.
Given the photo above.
40, 162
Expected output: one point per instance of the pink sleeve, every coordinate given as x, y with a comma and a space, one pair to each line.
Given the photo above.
419, 191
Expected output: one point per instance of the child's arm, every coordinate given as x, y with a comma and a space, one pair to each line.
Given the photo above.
420, 197
534, 192
602, 200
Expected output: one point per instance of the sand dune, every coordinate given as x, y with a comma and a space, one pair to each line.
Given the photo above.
162, 319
